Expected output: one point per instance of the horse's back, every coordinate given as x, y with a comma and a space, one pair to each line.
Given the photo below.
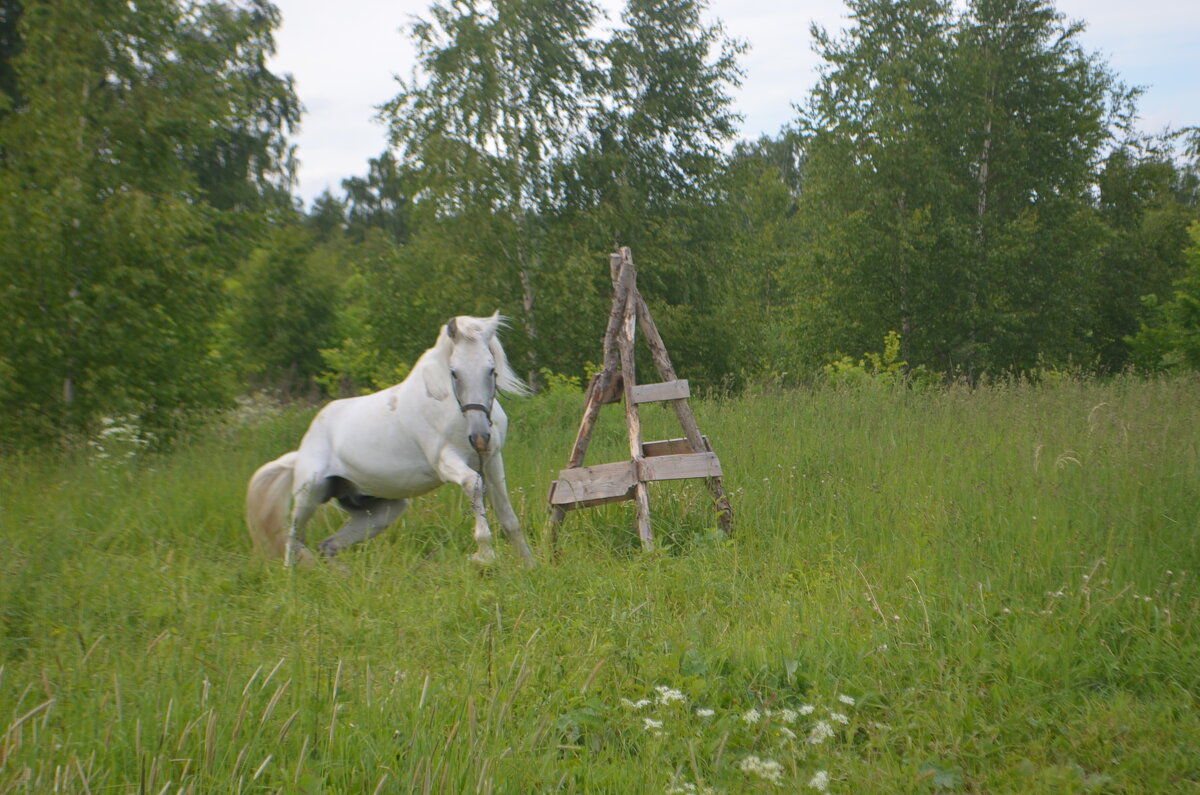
374, 441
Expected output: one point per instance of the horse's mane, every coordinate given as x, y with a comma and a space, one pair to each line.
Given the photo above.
482, 328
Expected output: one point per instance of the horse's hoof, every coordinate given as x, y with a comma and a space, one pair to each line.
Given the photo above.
483, 559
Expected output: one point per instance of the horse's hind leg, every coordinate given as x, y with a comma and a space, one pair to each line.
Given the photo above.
498, 494
305, 502
364, 523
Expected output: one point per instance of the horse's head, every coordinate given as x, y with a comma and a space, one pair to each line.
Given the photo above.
478, 366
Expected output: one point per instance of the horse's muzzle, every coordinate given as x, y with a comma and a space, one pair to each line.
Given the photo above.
479, 441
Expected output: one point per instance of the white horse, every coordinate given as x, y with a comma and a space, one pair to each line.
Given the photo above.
373, 453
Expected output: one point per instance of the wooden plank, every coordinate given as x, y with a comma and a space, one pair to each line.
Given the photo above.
570, 506
601, 482
680, 467
671, 447
667, 390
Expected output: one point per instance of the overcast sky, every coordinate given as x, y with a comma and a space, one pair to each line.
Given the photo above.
344, 57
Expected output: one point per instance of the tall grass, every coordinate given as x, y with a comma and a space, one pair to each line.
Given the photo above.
977, 590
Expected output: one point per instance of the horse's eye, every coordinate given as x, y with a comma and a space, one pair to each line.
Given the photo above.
454, 374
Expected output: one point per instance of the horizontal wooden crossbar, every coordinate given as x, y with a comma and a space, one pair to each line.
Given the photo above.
594, 485
680, 467
583, 487
667, 390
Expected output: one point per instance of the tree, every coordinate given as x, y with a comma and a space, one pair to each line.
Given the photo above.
379, 201
1140, 202
948, 194
1171, 339
878, 198
501, 97
659, 133
112, 252
522, 127
284, 309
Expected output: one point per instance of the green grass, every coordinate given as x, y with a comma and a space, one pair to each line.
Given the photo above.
1003, 580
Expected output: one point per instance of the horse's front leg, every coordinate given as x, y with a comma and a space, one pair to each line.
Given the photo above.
498, 494
453, 469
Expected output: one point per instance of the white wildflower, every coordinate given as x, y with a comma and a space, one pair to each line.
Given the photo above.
639, 704
806, 709
769, 769
820, 781
820, 733
752, 717
847, 700
786, 715
667, 695
650, 724
786, 733
838, 717
688, 788
705, 712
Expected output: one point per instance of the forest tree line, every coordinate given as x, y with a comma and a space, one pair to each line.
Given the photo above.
968, 178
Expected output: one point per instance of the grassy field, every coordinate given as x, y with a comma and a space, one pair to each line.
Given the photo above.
954, 590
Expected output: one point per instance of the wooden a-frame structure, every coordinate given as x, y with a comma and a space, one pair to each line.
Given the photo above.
580, 486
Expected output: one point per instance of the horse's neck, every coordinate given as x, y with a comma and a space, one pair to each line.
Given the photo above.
429, 377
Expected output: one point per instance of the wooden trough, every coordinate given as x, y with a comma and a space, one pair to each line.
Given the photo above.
692, 456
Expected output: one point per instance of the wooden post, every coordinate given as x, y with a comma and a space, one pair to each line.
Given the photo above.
641, 493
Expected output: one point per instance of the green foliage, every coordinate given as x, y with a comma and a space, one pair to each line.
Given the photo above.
1171, 339
1140, 192
143, 145
886, 368
283, 310
929, 205
1008, 609
548, 144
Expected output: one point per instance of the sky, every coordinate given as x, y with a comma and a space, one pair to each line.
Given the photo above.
345, 57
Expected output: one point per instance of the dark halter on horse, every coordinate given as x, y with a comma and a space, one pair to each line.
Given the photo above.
465, 407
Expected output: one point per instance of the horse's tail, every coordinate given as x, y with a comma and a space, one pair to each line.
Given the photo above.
268, 498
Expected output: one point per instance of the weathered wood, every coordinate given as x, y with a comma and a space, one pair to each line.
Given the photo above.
601, 482
615, 389
571, 506
667, 390
671, 459
671, 447
641, 494
679, 467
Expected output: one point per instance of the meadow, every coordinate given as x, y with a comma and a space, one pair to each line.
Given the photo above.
952, 589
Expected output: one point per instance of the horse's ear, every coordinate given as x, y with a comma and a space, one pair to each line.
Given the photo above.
452, 328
